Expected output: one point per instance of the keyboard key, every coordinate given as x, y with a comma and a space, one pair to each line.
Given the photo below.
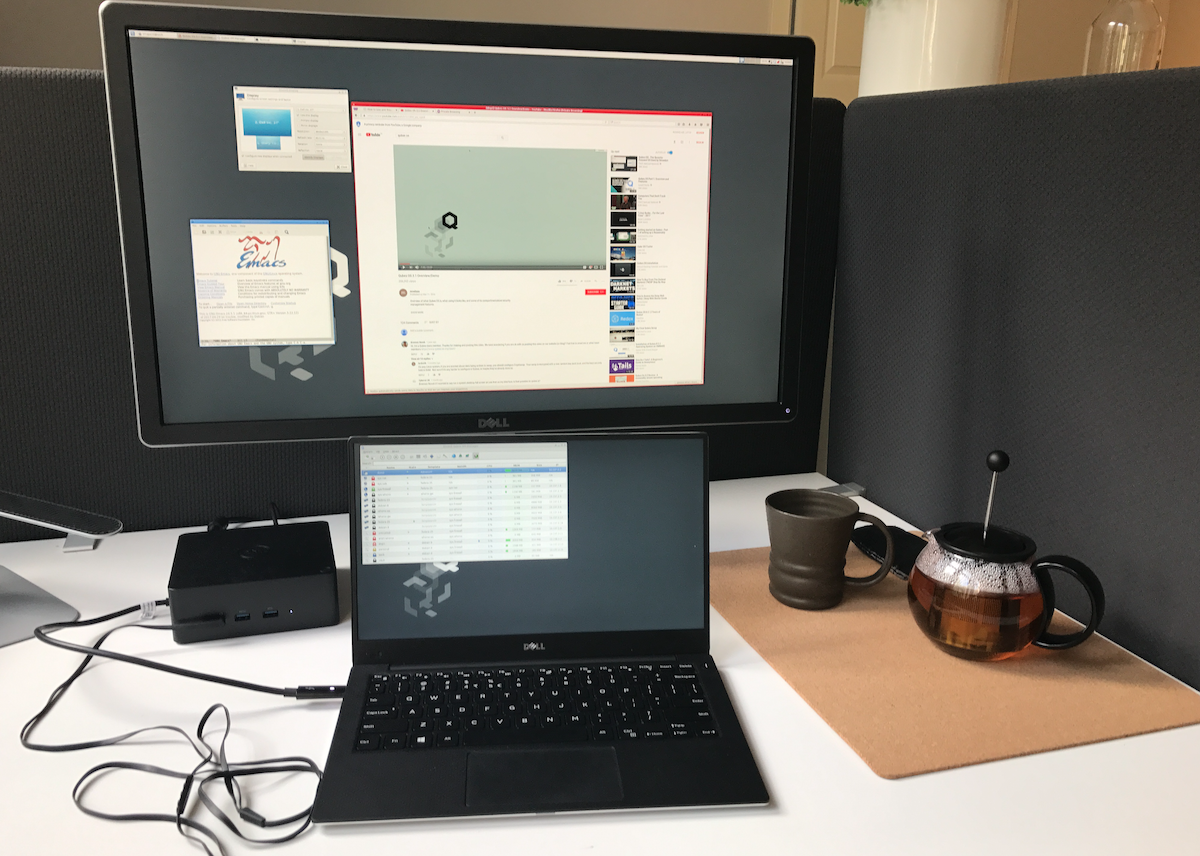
447, 739
394, 741
367, 742
521, 737
383, 726
421, 741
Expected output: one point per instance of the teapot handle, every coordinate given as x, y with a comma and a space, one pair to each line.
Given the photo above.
1091, 584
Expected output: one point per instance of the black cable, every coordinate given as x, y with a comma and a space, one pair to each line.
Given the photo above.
213, 765
43, 634
220, 524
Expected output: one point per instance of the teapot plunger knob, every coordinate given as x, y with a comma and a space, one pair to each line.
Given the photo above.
997, 462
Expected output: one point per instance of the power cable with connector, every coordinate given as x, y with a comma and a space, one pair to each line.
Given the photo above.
213, 766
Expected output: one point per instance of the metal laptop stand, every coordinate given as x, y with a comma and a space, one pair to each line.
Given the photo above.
24, 606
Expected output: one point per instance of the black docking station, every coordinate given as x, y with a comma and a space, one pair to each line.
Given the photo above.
260, 579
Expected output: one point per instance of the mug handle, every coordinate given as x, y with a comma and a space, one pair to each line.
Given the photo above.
863, 582
1091, 584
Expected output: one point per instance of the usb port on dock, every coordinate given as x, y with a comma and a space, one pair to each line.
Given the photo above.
242, 616
270, 613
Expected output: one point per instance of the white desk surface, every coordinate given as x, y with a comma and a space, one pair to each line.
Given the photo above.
1130, 796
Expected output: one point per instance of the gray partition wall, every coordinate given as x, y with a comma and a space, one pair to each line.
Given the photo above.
68, 431
1019, 268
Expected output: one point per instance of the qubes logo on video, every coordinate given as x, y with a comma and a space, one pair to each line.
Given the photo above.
260, 253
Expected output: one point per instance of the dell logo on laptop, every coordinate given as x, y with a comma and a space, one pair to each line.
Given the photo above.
534, 646
493, 422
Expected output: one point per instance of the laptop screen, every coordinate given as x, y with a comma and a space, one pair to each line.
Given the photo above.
530, 536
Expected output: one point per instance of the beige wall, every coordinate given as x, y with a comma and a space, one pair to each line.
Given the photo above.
1047, 35
1183, 35
837, 30
1050, 36
64, 33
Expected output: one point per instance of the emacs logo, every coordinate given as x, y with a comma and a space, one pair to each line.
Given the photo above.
260, 253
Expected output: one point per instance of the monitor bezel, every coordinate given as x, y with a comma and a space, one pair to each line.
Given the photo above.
116, 18
514, 648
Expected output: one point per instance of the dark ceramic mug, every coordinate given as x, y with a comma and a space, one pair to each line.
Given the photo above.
810, 533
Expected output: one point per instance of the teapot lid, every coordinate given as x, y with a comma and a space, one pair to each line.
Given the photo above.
1001, 545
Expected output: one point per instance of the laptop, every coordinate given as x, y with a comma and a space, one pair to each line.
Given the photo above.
530, 626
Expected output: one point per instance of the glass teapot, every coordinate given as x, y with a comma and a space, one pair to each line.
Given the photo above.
977, 593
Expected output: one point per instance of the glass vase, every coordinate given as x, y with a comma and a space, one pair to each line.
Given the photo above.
1127, 36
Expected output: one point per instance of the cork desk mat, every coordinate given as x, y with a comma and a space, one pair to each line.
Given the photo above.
907, 708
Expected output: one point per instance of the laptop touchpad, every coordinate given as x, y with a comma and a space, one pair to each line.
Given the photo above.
535, 778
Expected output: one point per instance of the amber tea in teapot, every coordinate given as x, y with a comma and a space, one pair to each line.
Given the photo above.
977, 593
976, 623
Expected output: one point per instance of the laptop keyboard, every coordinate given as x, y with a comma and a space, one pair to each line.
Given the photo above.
513, 706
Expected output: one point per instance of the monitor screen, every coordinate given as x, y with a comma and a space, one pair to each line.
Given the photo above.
339, 225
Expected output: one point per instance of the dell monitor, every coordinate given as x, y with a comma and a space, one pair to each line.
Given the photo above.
338, 225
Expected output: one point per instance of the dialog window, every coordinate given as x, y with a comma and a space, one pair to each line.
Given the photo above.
463, 502
262, 282
491, 238
292, 130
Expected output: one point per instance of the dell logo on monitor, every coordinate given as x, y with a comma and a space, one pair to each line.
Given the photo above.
493, 422
534, 646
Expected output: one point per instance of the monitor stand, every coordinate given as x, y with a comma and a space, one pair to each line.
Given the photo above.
24, 607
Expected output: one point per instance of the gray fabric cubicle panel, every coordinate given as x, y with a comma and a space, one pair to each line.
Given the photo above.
67, 423
1018, 269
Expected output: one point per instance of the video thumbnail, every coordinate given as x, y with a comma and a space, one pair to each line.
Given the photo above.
456, 207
